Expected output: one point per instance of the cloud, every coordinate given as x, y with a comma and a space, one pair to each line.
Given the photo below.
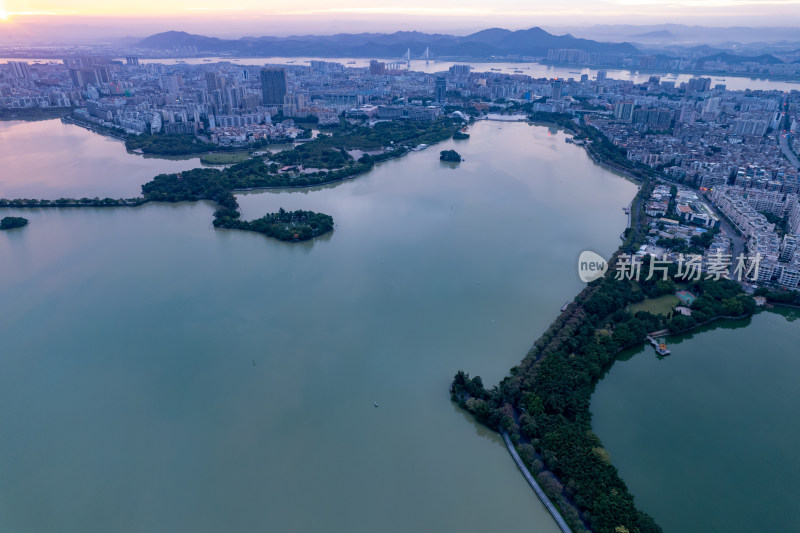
706, 3
434, 11
196, 8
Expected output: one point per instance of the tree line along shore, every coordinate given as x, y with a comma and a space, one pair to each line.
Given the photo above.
543, 404
323, 160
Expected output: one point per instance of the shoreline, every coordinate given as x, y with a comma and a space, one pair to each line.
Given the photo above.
100, 130
492, 408
559, 520
322, 184
787, 78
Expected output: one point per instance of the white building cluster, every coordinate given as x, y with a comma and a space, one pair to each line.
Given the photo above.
779, 259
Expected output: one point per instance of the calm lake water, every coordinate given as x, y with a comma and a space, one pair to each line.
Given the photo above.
159, 375
706, 439
50, 159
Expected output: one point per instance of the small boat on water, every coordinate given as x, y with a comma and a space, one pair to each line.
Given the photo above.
518, 71
494, 69
351, 62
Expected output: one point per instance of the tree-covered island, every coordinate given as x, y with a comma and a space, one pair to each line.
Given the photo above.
291, 226
13, 222
326, 159
451, 156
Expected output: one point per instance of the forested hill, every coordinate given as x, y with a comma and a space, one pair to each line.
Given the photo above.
485, 43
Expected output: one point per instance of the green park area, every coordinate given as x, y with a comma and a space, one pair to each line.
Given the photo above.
660, 305
224, 158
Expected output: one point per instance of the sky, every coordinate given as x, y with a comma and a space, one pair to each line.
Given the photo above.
231, 18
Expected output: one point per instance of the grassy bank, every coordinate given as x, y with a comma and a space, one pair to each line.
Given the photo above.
224, 158
34, 113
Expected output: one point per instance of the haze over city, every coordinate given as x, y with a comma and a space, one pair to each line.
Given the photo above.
381, 265
88, 19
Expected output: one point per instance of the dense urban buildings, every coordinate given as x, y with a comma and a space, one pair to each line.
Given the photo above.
736, 147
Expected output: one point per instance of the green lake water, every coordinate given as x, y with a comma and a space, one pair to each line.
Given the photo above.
159, 375
707, 438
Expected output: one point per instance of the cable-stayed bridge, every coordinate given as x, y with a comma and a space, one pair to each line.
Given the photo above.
405, 61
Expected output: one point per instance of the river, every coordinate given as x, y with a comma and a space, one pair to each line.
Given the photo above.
159, 375
536, 70
706, 438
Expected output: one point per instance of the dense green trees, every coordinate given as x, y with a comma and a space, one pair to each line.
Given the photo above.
779, 296
13, 222
718, 298
33, 113
73, 202
450, 156
327, 152
314, 155
544, 402
168, 144
283, 225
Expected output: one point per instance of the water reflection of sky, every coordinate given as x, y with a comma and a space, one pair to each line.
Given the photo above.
50, 160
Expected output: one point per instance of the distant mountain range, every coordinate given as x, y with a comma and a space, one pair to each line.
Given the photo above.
485, 43
659, 35
682, 34
732, 59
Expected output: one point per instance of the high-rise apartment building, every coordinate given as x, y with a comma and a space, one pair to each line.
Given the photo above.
20, 69
623, 111
214, 82
788, 247
273, 85
377, 68
460, 70
441, 90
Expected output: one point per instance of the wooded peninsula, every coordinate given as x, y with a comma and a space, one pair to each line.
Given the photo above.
544, 403
316, 162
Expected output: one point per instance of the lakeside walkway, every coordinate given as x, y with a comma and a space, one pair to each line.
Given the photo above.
535, 486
